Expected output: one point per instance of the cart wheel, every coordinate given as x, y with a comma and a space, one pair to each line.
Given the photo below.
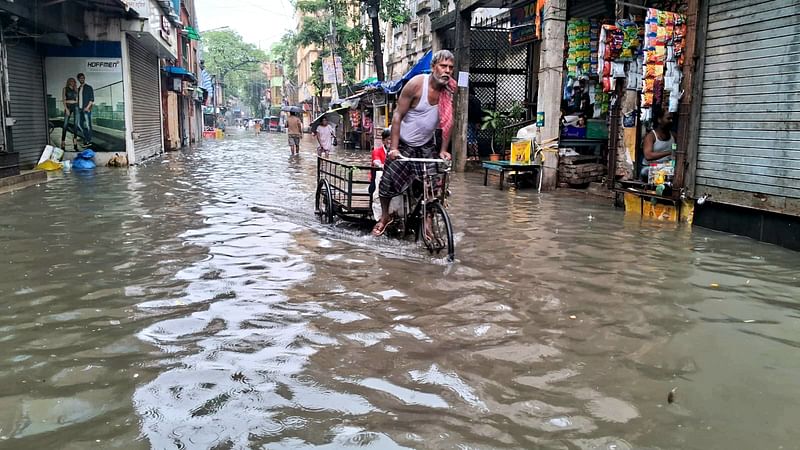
324, 202
440, 235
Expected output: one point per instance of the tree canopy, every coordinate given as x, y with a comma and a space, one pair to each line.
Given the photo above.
237, 64
353, 35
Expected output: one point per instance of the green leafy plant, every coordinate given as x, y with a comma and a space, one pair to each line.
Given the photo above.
516, 113
495, 121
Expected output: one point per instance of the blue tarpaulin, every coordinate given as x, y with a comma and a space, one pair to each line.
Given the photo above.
394, 86
179, 71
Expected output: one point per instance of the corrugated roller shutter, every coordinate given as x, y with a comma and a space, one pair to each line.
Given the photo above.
586, 9
145, 82
26, 89
749, 137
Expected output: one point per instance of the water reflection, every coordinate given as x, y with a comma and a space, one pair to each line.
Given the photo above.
194, 302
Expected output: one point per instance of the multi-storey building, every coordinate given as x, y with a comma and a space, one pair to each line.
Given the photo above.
181, 99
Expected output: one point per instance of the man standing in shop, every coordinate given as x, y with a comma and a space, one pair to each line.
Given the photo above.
85, 104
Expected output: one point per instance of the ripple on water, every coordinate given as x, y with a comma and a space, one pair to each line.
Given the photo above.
612, 410
256, 327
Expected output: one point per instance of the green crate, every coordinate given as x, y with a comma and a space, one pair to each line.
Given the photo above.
596, 129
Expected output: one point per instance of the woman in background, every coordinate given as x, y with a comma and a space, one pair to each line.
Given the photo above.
69, 96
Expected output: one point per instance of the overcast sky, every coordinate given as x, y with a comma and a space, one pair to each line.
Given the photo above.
260, 22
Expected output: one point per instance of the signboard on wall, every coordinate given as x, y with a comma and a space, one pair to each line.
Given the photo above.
332, 70
140, 6
522, 35
94, 112
165, 30
529, 18
523, 15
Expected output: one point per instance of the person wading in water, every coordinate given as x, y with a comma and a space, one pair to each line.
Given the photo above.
425, 104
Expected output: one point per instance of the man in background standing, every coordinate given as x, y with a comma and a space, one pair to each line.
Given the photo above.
85, 104
294, 128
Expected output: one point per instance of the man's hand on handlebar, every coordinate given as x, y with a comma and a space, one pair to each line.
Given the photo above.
394, 154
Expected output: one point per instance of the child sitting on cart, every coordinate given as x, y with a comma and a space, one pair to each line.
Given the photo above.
378, 162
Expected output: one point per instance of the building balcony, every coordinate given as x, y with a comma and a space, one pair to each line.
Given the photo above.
423, 7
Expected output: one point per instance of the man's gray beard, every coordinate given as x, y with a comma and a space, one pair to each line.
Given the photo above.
439, 81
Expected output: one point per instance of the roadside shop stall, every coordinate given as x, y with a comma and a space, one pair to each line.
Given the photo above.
623, 77
585, 102
646, 91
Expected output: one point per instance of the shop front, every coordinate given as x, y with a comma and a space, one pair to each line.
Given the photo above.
145, 45
622, 108
178, 86
26, 93
744, 157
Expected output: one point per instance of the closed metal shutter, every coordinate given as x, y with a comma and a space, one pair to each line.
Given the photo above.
590, 9
26, 88
146, 94
749, 130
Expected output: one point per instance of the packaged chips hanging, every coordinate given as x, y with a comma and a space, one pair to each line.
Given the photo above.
663, 55
579, 48
630, 40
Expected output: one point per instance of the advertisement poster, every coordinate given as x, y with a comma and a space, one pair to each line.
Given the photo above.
332, 70
85, 101
521, 152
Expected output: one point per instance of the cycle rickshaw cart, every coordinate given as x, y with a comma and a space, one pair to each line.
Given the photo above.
343, 193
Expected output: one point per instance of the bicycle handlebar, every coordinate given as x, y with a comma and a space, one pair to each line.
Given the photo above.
424, 160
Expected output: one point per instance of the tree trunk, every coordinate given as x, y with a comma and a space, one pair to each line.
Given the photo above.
377, 53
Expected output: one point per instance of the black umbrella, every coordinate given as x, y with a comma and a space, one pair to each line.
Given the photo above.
333, 117
292, 109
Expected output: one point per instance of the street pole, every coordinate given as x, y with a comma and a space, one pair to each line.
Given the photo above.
550, 82
335, 90
458, 135
373, 7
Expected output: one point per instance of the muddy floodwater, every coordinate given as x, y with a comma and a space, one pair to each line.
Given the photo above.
195, 302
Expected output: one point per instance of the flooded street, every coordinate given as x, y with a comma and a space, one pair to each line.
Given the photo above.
196, 302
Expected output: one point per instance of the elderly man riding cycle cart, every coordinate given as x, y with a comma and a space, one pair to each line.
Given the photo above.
416, 169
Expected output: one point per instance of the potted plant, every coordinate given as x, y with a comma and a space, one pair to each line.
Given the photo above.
495, 121
513, 116
500, 123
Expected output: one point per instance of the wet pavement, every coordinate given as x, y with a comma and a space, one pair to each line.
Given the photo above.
195, 302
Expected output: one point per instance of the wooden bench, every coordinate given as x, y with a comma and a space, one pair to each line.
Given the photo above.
506, 166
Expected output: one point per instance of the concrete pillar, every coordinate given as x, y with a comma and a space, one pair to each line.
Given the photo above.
127, 92
458, 137
551, 78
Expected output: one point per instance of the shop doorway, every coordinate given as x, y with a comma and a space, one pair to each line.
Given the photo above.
499, 72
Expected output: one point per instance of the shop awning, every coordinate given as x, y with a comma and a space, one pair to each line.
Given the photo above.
191, 33
349, 102
206, 82
180, 72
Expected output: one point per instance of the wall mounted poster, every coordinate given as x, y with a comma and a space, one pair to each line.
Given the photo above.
85, 101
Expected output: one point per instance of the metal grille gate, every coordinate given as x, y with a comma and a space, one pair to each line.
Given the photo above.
498, 72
